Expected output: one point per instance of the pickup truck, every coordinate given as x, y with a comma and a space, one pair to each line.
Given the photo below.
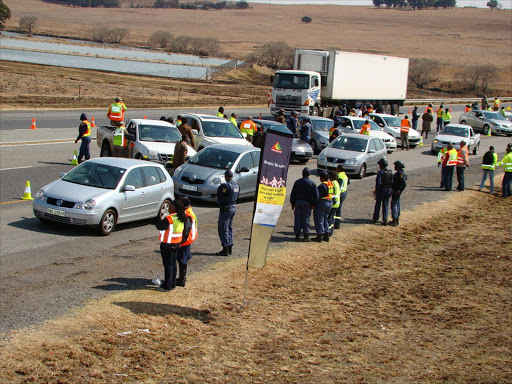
454, 134
152, 140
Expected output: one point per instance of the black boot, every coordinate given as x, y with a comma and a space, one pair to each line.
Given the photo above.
396, 221
180, 281
230, 249
306, 238
318, 238
326, 237
297, 236
224, 252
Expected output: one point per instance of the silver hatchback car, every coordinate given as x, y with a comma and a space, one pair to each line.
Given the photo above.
106, 191
201, 176
359, 154
484, 120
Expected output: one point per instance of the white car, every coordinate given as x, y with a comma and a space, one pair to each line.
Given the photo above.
453, 134
351, 124
209, 130
391, 124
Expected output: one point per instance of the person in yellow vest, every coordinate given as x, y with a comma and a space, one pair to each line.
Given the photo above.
506, 163
447, 117
233, 119
249, 128
184, 254
503, 113
121, 141
336, 195
84, 134
365, 128
449, 163
323, 207
440, 162
439, 121
172, 235
220, 113
462, 164
467, 108
496, 104
489, 161
343, 181
405, 125
116, 112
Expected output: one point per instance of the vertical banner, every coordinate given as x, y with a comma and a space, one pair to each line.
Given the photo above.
271, 193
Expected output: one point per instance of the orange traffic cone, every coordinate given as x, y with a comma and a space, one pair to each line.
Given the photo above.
27, 194
145, 117
260, 115
450, 109
33, 126
410, 111
92, 123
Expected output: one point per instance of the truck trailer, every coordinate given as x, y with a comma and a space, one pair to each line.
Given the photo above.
322, 80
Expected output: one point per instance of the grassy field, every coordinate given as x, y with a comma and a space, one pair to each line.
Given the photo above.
428, 301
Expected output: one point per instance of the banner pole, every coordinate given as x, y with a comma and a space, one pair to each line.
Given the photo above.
245, 288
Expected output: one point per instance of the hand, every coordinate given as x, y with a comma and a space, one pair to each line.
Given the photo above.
76, 141
438, 165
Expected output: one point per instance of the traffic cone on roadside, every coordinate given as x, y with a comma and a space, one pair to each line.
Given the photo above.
145, 117
27, 194
489, 132
410, 111
260, 115
421, 141
33, 126
74, 160
92, 123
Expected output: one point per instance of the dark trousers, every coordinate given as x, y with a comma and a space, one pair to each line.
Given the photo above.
302, 217
184, 254
84, 148
169, 257
382, 199
321, 216
225, 226
460, 178
337, 215
505, 185
448, 177
443, 176
439, 124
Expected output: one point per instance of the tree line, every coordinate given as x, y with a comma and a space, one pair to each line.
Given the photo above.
205, 5
88, 3
415, 4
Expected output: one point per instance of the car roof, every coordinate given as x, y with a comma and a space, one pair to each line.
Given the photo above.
233, 148
356, 118
457, 125
205, 117
153, 122
382, 114
359, 136
121, 162
317, 118
296, 71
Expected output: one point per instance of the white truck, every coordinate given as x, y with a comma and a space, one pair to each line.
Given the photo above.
152, 140
323, 80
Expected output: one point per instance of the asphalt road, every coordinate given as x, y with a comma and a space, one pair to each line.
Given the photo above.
46, 270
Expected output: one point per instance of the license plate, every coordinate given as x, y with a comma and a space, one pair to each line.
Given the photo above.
189, 187
301, 153
56, 212
332, 165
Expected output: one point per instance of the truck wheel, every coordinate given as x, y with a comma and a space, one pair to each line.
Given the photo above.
164, 210
476, 149
486, 129
105, 150
362, 171
316, 111
463, 122
107, 223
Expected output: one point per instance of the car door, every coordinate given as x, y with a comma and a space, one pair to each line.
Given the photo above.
372, 155
133, 202
346, 125
246, 180
154, 189
478, 121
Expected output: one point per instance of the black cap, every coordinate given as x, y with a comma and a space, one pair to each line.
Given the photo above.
228, 173
83, 117
306, 172
163, 118
323, 174
185, 201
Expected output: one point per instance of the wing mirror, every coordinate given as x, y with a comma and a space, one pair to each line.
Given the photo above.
128, 188
62, 174
243, 169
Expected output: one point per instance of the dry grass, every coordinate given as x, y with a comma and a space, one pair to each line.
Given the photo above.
426, 302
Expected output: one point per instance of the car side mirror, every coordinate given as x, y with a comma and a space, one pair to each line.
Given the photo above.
128, 188
62, 174
243, 169
130, 137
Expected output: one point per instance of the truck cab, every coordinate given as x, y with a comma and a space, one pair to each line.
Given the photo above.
295, 91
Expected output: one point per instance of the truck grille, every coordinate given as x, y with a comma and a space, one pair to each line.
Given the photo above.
288, 101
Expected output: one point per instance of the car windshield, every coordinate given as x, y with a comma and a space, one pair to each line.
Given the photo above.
214, 158
95, 175
392, 121
493, 116
322, 125
159, 133
221, 128
291, 81
359, 123
350, 144
455, 131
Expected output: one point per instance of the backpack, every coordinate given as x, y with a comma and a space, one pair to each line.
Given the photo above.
488, 158
387, 178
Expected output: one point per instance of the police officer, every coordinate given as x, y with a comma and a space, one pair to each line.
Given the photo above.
292, 123
84, 134
303, 198
227, 194
323, 207
382, 192
305, 130
398, 186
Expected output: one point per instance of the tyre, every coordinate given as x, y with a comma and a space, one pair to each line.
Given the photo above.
316, 111
164, 210
362, 171
314, 145
138, 156
485, 129
463, 122
476, 149
303, 161
107, 223
105, 150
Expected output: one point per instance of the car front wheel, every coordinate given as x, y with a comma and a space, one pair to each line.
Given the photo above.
486, 129
163, 212
107, 223
362, 171
475, 150
463, 122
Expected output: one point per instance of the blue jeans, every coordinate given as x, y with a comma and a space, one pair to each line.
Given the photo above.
321, 216
225, 226
460, 178
505, 185
439, 124
448, 177
489, 172
302, 215
84, 148
395, 208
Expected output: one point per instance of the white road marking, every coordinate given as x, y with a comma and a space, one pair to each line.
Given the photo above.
8, 169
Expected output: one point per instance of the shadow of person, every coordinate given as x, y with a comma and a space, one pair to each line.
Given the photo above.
158, 309
124, 283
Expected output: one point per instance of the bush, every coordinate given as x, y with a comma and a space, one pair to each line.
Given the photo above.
160, 39
116, 35
28, 23
306, 19
422, 71
100, 34
277, 55
478, 77
5, 14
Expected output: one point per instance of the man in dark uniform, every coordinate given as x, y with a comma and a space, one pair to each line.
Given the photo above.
323, 207
303, 198
227, 194
382, 192
84, 134
292, 123
398, 186
305, 130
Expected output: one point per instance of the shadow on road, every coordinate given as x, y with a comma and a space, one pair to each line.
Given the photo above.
123, 283
56, 163
154, 309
